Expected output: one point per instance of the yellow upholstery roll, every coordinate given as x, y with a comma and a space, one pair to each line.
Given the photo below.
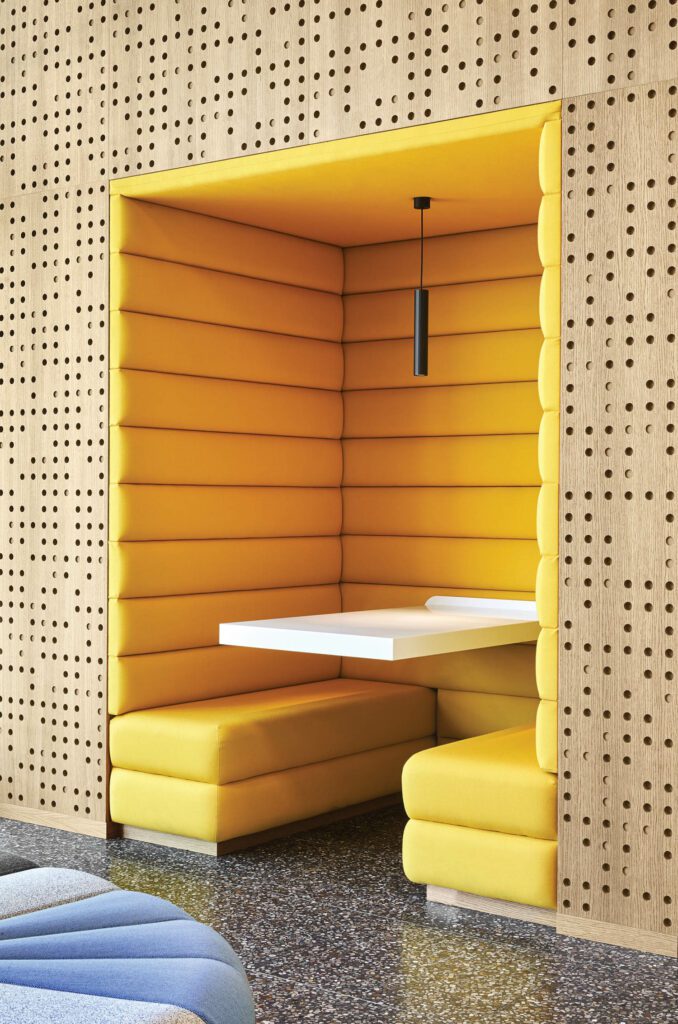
190, 293
180, 236
147, 624
453, 359
144, 455
549, 302
426, 412
453, 309
549, 374
490, 670
235, 737
550, 159
505, 867
547, 735
547, 663
462, 714
546, 594
143, 342
470, 563
450, 259
358, 596
171, 512
489, 782
154, 568
548, 230
502, 512
172, 677
549, 447
547, 519
217, 813
499, 461
141, 399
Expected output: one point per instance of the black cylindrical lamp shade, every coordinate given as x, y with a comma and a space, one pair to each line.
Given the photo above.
421, 332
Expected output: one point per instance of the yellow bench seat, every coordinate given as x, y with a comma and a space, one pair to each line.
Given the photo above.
236, 765
483, 818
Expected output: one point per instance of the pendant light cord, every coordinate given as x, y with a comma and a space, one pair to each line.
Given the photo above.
421, 248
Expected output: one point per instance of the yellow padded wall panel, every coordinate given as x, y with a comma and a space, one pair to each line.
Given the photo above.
169, 512
494, 460
441, 562
546, 594
453, 359
141, 399
471, 409
144, 285
514, 868
550, 158
453, 309
218, 813
547, 519
166, 456
547, 735
162, 567
450, 259
549, 375
549, 302
501, 512
243, 735
548, 230
359, 596
144, 625
462, 714
172, 677
163, 233
140, 341
547, 663
549, 447
492, 670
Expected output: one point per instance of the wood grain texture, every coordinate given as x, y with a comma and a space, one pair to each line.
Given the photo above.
618, 710
487, 905
617, 935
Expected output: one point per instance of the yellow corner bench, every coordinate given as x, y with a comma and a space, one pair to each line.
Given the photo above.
482, 819
247, 763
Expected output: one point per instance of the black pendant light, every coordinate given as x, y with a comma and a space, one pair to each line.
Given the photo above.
421, 203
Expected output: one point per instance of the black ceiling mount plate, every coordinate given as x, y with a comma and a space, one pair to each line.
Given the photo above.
422, 202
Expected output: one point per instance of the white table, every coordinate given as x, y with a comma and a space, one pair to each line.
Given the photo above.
441, 626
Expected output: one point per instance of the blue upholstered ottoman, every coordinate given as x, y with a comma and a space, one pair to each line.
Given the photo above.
74, 948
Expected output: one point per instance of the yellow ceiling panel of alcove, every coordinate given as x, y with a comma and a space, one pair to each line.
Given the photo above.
481, 172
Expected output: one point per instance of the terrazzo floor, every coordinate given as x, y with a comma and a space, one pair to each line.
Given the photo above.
331, 932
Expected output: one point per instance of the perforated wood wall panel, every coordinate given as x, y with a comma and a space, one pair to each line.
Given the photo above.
109, 87
618, 706
53, 415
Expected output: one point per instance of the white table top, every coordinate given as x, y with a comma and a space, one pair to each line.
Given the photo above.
442, 625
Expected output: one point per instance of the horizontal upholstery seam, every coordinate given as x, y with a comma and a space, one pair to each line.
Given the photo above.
217, 323
446, 284
456, 234
227, 273
431, 387
228, 380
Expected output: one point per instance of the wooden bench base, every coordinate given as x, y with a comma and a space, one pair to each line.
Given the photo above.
487, 905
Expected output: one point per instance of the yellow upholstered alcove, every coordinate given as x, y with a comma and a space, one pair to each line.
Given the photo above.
272, 454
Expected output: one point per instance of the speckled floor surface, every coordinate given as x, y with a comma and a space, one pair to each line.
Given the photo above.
330, 932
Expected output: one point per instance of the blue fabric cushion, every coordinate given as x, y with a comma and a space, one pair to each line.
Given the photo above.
146, 941
107, 910
214, 991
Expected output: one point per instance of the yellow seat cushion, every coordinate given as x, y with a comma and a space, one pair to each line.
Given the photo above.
490, 782
217, 813
493, 864
240, 736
